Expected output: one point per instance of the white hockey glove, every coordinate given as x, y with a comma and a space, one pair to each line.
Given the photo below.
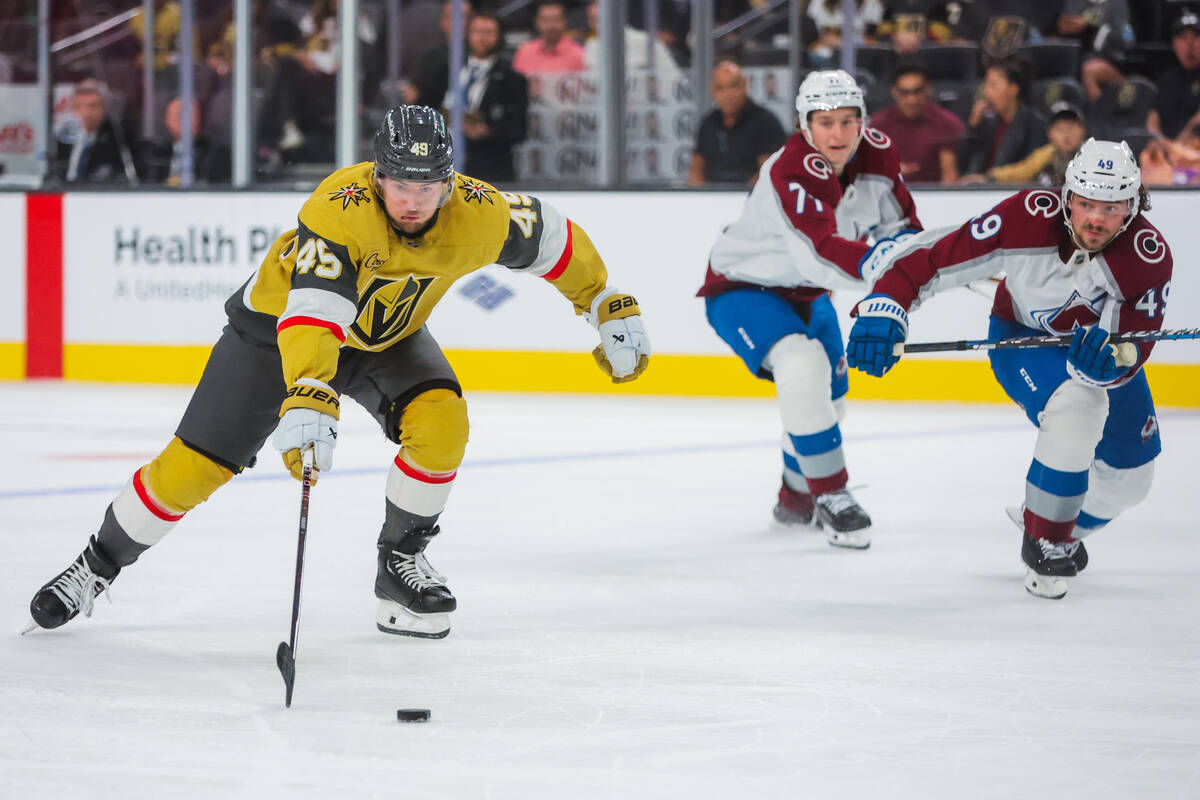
879, 258
308, 418
624, 349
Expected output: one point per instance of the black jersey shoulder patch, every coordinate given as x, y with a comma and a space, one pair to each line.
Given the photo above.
525, 227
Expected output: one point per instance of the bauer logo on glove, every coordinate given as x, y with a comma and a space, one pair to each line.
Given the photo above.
624, 349
307, 418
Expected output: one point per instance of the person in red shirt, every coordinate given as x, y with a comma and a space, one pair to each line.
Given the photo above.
927, 136
553, 50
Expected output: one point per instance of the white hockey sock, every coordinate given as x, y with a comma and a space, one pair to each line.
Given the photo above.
417, 491
142, 517
1069, 428
1110, 492
803, 378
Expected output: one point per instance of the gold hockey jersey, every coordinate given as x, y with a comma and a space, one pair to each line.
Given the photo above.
345, 278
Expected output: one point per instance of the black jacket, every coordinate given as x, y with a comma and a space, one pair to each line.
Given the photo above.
503, 107
432, 77
104, 164
211, 161
1026, 133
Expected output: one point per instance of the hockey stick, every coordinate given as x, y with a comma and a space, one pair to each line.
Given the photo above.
285, 655
1061, 340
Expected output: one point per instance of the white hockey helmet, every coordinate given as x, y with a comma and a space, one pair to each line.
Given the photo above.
826, 90
1103, 171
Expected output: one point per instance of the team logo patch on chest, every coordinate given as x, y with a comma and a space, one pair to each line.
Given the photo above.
385, 309
474, 190
350, 194
1077, 311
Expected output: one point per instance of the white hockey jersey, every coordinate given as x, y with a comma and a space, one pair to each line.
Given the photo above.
1049, 285
800, 232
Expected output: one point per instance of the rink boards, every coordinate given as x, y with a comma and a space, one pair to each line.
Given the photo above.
130, 288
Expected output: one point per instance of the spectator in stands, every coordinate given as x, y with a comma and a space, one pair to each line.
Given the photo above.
1104, 29
552, 50
737, 136
1003, 127
299, 113
162, 162
1170, 163
1178, 105
927, 136
1047, 165
640, 51
674, 24
167, 24
433, 74
827, 16
911, 23
495, 100
417, 19
88, 148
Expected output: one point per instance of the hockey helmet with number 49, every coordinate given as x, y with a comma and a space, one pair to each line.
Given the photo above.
827, 90
413, 144
1108, 173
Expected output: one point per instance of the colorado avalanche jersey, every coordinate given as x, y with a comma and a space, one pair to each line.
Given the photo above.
1049, 284
801, 232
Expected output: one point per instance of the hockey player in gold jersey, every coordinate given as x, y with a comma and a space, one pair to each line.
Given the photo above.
338, 307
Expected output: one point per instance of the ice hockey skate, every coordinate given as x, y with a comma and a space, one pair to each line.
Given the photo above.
1047, 564
793, 508
413, 597
73, 590
1074, 550
843, 519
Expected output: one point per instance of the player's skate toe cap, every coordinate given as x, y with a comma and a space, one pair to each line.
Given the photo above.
437, 602
48, 611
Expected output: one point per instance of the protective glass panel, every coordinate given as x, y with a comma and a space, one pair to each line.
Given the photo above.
297, 58
22, 123
559, 52
660, 119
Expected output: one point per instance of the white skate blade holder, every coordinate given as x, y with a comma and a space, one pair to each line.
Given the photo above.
852, 540
1050, 587
395, 619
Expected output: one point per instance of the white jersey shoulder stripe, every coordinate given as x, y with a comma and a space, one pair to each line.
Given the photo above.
320, 304
553, 241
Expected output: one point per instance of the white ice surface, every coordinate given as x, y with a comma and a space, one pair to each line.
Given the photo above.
631, 623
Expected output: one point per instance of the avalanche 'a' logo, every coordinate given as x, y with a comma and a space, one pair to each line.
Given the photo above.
385, 308
1077, 311
350, 194
1149, 428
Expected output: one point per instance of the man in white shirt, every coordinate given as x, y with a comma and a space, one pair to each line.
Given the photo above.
640, 50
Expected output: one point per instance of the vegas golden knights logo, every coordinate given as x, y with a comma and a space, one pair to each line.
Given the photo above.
385, 308
1004, 36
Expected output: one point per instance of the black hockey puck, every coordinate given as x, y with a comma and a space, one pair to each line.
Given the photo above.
412, 714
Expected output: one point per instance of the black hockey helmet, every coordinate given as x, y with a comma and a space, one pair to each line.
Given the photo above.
413, 144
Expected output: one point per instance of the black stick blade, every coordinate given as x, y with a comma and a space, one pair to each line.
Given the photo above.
287, 668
